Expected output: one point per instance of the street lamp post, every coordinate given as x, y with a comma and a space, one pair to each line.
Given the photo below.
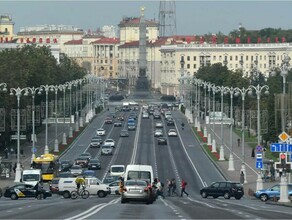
47, 88
182, 64
56, 88
33, 91
69, 86
258, 89
63, 88
18, 92
242, 92
214, 90
231, 159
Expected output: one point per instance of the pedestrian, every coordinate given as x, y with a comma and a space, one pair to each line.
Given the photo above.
160, 186
14, 167
183, 188
182, 125
39, 188
173, 183
238, 142
272, 171
169, 187
241, 177
252, 153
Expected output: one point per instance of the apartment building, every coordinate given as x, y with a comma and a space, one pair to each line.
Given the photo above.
249, 58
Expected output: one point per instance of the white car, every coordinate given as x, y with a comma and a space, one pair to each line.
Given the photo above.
109, 142
100, 132
158, 125
145, 115
158, 133
172, 133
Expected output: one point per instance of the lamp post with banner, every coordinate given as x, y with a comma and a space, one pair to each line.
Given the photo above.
69, 86
46, 88
33, 91
56, 88
18, 92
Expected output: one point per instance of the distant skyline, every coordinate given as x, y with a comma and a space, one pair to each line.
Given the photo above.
192, 17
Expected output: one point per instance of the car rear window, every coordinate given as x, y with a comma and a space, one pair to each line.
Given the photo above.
136, 183
237, 185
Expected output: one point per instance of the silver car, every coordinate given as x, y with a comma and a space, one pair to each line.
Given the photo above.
106, 150
137, 190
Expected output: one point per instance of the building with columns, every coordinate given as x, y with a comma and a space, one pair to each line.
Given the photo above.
6, 28
250, 58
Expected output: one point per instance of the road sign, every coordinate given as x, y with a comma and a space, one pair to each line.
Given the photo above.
259, 148
259, 165
280, 147
33, 150
259, 156
284, 136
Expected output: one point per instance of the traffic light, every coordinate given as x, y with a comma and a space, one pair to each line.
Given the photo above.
283, 159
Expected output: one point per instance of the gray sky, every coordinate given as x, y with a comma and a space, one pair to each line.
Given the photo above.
192, 17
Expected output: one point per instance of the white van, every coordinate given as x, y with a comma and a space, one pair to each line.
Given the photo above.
31, 176
144, 172
117, 170
93, 185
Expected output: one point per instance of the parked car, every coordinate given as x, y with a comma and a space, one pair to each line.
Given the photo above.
224, 188
158, 133
161, 141
109, 142
94, 164
25, 191
96, 142
172, 133
100, 132
124, 133
269, 193
136, 190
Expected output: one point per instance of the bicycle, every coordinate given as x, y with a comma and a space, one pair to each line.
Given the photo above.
83, 193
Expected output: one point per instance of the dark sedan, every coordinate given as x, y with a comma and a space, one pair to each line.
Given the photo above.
94, 164
161, 141
25, 191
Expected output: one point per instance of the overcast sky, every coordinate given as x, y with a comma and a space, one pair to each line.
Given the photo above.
192, 17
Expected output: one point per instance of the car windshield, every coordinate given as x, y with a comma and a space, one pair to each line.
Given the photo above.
108, 140
30, 177
117, 169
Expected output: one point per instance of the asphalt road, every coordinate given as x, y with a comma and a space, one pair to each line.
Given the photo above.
181, 158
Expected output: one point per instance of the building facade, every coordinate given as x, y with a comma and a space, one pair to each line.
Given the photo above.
6, 28
249, 58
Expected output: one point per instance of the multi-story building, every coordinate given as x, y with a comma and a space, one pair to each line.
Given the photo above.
6, 28
249, 58
129, 29
57, 34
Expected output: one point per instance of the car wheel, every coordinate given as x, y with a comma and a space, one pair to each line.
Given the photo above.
66, 195
101, 194
204, 195
264, 197
40, 196
14, 196
226, 195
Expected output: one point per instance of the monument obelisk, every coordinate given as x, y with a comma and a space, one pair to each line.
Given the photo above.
142, 84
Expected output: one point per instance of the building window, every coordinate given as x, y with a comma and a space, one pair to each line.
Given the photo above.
195, 58
188, 66
230, 58
236, 65
188, 58
246, 58
264, 65
220, 58
214, 58
195, 66
236, 58
111, 68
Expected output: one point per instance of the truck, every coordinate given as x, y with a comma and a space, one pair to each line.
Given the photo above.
31, 176
92, 184
131, 124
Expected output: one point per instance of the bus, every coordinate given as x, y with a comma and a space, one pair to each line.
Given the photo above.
48, 164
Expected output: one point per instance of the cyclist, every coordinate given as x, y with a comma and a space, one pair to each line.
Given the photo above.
80, 181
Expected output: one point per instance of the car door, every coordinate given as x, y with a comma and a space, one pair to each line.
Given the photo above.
30, 191
213, 189
274, 191
221, 188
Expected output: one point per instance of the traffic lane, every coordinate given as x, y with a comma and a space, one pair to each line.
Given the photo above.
50, 208
251, 209
137, 210
184, 168
198, 209
84, 139
145, 152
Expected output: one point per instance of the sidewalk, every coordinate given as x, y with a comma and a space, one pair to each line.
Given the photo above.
25, 158
251, 172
